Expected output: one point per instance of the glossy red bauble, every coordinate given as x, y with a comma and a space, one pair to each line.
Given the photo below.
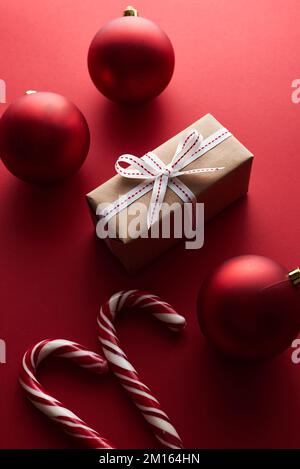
43, 137
131, 59
248, 308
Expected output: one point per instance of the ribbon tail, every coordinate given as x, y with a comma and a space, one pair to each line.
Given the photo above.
109, 210
198, 170
157, 198
182, 190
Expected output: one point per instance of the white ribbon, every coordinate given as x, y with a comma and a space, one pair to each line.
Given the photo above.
157, 176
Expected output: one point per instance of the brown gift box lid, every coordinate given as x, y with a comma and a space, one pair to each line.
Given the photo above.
217, 189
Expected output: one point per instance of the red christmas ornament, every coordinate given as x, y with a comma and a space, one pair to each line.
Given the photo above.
43, 137
248, 308
131, 58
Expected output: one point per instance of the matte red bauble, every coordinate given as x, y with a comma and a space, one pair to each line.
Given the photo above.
131, 59
249, 307
43, 137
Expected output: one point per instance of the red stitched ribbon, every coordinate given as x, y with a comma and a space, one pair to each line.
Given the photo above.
158, 176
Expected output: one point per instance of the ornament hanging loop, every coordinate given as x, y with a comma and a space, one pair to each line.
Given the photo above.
294, 276
130, 11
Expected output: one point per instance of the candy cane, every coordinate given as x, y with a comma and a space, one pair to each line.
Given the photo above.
47, 404
140, 394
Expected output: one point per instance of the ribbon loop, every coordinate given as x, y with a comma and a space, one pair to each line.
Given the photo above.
191, 144
139, 168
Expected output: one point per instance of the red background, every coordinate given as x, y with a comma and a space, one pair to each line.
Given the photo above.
235, 59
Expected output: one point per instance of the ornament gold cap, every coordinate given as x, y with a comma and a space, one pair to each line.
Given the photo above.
294, 276
30, 91
130, 11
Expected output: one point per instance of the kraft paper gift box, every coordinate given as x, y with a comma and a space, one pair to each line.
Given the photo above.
216, 190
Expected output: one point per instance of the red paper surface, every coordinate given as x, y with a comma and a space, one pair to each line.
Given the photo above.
235, 59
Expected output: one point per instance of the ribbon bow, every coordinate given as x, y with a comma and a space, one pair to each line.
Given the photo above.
158, 176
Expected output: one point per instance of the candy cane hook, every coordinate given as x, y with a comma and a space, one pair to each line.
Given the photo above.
47, 404
140, 394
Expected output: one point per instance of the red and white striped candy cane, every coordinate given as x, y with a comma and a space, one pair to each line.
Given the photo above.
47, 404
140, 394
